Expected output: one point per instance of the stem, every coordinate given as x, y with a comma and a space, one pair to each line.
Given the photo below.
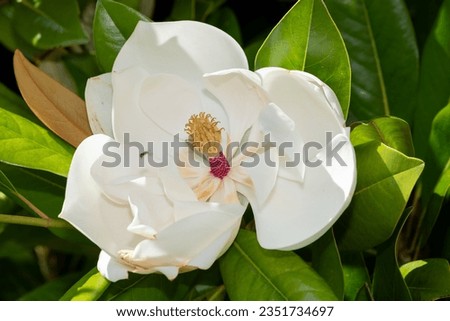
34, 221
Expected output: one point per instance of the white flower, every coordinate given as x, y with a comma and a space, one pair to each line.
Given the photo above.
190, 80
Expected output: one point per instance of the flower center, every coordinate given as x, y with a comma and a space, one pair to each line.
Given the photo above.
219, 166
204, 135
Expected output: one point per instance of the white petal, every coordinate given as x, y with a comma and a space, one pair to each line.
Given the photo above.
170, 272
110, 268
86, 207
169, 101
175, 186
203, 237
226, 192
297, 214
98, 95
304, 102
241, 96
131, 125
342, 166
281, 130
327, 92
185, 48
121, 169
206, 257
152, 213
262, 168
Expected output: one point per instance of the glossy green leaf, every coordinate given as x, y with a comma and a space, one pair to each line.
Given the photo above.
52, 290
388, 283
81, 67
194, 9
436, 178
357, 282
307, 39
385, 179
226, 20
427, 279
89, 288
15, 104
252, 273
7, 205
8, 36
45, 191
327, 262
38, 192
440, 137
113, 24
383, 53
48, 24
131, 3
434, 206
152, 287
391, 131
26, 144
434, 87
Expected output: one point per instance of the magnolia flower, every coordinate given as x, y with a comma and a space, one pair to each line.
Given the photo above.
238, 134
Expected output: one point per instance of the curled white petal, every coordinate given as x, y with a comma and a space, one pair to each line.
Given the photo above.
98, 96
110, 268
86, 206
298, 212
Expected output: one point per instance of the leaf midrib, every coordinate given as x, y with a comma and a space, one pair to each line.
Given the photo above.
377, 59
385, 178
256, 267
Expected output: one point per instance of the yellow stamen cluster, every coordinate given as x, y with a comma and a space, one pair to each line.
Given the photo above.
204, 135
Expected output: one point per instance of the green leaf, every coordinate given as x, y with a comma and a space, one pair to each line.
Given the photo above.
15, 104
388, 283
8, 36
307, 39
434, 85
380, 40
26, 144
252, 273
385, 180
7, 205
43, 190
81, 67
434, 206
194, 9
113, 24
440, 137
327, 262
391, 131
48, 24
356, 277
52, 290
427, 279
89, 288
226, 20
38, 192
436, 177
152, 287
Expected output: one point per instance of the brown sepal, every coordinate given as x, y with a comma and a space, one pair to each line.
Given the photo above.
58, 108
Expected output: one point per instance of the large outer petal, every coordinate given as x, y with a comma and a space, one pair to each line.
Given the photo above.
88, 209
185, 48
299, 212
195, 241
302, 97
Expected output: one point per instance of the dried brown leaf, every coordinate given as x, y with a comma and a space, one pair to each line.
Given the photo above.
58, 108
